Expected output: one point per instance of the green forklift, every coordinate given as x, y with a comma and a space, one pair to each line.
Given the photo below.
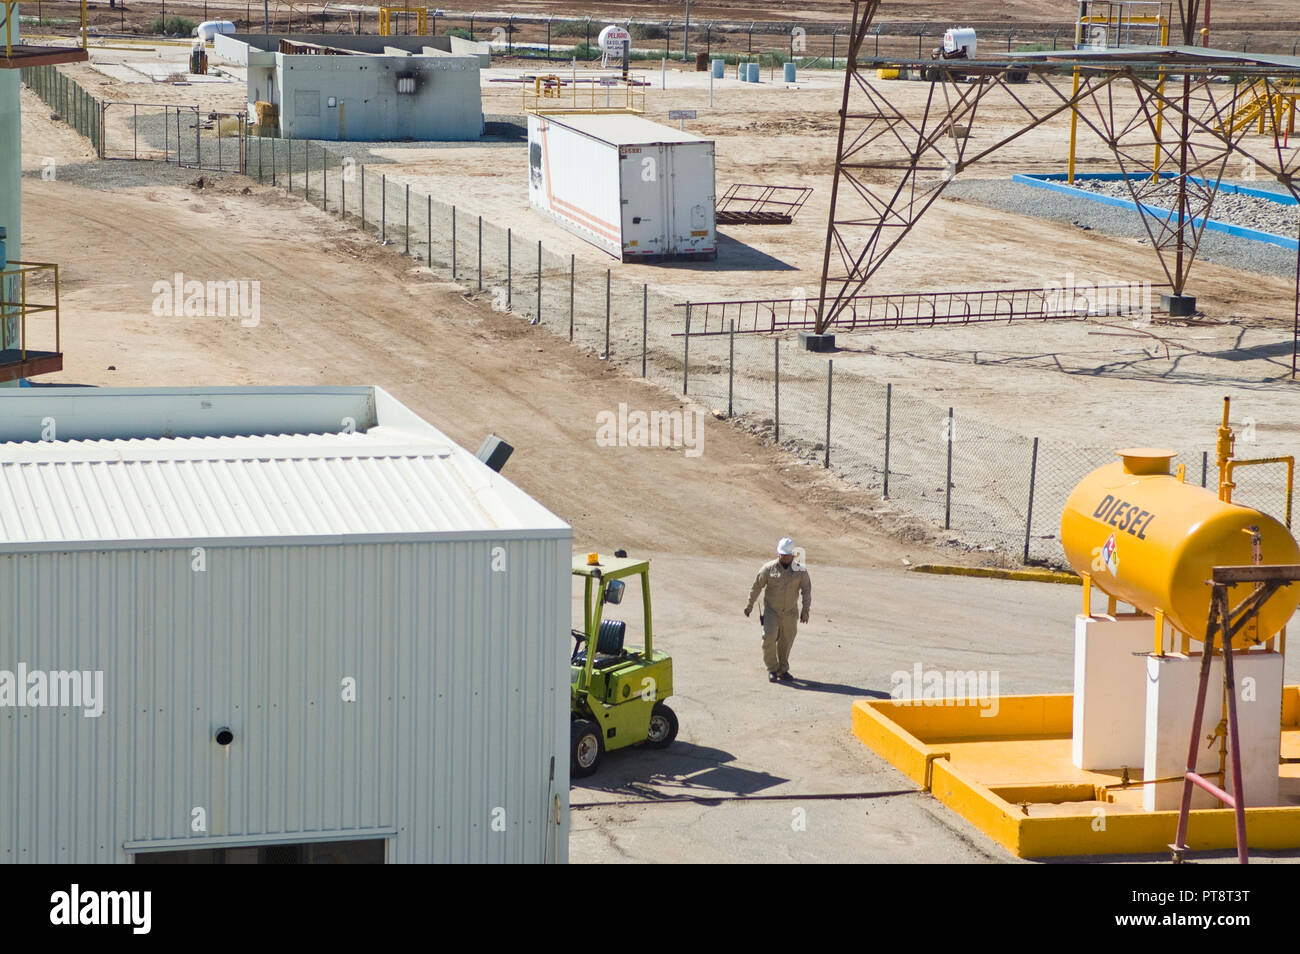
616, 694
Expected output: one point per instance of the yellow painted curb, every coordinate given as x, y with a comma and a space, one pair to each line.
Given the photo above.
996, 573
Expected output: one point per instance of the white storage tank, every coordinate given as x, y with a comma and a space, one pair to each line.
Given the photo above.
253, 624
959, 43
639, 190
208, 30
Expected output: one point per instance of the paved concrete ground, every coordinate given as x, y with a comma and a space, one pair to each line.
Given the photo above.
785, 745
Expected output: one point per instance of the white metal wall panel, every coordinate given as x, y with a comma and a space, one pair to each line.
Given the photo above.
575, 179
693, 197
462, 698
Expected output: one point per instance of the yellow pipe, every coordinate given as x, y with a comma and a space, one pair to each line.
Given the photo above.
1290, 475
1160, 93
1074, 129
1223, 451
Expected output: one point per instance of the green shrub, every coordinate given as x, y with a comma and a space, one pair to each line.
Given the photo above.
172, 26
573, 28
647, 31
459, 32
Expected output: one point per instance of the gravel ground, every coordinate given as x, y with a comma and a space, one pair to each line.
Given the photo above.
1086, 214
1246, 210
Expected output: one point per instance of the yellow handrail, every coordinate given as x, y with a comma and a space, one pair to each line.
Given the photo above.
21, 307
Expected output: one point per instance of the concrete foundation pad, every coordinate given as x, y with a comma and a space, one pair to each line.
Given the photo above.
816, 342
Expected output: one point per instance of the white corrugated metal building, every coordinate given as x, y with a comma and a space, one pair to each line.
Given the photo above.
378, 620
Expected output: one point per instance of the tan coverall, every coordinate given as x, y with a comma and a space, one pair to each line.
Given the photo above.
781, 586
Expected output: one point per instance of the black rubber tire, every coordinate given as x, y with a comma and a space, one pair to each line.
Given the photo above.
663, 727
581, 761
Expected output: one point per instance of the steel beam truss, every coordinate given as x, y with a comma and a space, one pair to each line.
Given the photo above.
1164, 113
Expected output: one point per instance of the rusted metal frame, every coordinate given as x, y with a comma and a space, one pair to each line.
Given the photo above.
1107, 135
856, 277
1230, 141
861, 20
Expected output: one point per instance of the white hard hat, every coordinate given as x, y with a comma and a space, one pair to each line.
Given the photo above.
785, 547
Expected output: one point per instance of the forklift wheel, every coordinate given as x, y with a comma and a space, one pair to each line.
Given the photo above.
586, 748
663, 727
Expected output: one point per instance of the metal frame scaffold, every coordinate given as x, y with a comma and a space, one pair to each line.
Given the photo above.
1163, 112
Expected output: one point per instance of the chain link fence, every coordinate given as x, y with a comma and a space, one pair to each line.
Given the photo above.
989, 486
189, 136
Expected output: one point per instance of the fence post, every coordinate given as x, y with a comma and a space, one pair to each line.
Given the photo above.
383, 209
731, 363
510, 277
889, 402
645, 322
686, 350
363, 196
776, 382
198, 139
406, 227
539, 282
343, 194
453, 243
259, 159
830, 373
607, 309
480, 253
428, 230
947, 484
572, 268
1029, 513
324, 178
272, 160
1205, 463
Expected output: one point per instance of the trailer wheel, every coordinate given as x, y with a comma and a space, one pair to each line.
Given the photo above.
663, 727
586, 748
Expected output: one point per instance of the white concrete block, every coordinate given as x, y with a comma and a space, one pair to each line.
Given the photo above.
1170, 699
1110, 690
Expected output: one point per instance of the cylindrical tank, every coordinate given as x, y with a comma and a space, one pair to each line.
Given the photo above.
1148, 539
957, 38
719, 68
755, 73
789, 73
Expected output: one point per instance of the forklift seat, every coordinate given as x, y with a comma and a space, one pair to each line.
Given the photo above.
609, 644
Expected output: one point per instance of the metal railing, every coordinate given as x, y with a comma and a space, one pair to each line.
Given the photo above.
16, 304
547, 93
771, 315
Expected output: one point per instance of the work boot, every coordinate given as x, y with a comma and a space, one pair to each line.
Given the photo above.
772, 677
786, 677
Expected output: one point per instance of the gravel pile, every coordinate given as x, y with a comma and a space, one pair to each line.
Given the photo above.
1083, 213
1249, 211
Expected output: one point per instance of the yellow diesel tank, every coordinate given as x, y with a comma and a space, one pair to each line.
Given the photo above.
1150, 540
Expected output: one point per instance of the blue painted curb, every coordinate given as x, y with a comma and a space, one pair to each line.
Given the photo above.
1053, 183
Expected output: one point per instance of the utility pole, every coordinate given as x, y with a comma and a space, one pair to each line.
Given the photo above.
686, 36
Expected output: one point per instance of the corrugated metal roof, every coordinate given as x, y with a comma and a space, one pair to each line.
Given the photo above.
620, 129
385, 483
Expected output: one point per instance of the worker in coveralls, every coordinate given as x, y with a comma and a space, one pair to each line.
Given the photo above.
781, 580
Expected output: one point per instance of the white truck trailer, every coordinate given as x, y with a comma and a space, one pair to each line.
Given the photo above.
641, 191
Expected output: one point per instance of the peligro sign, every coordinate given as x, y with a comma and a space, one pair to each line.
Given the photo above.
611, 40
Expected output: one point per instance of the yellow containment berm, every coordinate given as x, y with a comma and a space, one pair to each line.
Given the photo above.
1147, 538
